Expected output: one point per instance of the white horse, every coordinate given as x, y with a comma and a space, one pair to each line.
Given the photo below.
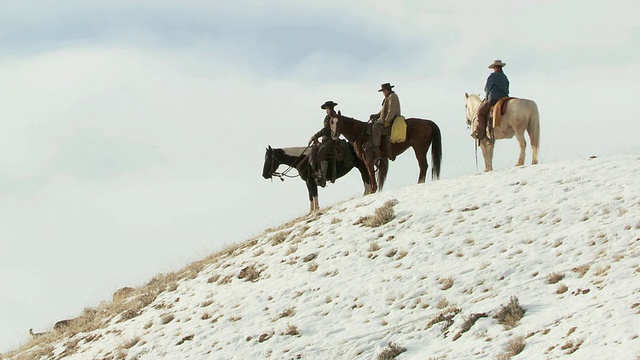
521, 115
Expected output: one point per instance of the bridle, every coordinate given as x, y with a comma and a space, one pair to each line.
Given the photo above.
285, 173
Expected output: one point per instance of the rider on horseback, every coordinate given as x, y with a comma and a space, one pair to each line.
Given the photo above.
322, 150
496, 88
390, 110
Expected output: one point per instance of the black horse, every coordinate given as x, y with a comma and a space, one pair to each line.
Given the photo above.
298, 158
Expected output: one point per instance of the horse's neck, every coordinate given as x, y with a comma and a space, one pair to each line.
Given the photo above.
289, 156
353, 129
474, 104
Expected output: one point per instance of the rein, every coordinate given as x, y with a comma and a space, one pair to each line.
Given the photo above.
285, 173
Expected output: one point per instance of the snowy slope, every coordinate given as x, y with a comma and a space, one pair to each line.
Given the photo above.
562, 238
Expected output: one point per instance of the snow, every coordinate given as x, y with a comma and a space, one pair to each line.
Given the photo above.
493, 235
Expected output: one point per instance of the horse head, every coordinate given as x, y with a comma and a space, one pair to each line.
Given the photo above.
270, 163
471, 107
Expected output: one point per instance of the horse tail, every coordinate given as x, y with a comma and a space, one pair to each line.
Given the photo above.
534, 131
383, 169
436, 151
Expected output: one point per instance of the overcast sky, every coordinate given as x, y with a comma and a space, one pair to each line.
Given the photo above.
133, 133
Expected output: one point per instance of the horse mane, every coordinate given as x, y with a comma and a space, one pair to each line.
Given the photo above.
348, 118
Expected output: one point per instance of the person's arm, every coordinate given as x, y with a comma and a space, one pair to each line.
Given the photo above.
394, 108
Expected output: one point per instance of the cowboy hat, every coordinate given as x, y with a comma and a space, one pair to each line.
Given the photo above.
497, 63
328, 104
386, 86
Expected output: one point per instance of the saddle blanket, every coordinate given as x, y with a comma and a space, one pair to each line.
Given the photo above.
498, 110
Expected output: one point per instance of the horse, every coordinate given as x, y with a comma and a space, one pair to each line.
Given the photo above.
520, 115
421, 134
298, 158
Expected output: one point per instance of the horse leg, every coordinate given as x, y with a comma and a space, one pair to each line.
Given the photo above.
523, 145
383, 168
372, 175
312, 188
421, 156
487, 154
534, 149
364, 174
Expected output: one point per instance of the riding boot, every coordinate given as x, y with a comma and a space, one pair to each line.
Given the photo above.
481, 130
322, 179
483, 116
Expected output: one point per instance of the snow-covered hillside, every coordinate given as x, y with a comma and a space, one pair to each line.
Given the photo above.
559, 241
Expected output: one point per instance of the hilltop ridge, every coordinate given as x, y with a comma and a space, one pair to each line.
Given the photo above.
531, 262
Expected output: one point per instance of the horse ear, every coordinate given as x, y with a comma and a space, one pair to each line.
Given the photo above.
339, 113
466, 96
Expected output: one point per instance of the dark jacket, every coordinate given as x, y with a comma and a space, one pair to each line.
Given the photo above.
497, 86
325, 133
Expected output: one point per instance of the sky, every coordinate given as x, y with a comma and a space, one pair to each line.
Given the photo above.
558, 241
132, 134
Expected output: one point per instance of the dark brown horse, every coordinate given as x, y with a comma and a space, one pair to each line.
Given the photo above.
421, 134
298, 158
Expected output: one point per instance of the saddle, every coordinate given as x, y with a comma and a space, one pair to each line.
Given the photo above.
497, 110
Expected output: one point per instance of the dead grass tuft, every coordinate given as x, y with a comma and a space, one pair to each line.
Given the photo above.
381, 216
554, 278
167, 318
390, 351
581, 270
514, 347
280, 237
468, 323
288, 312
250, 273
374, 246
445, 317
446, 283
313, 266
442, 303
562, 288
510, 314
291, 330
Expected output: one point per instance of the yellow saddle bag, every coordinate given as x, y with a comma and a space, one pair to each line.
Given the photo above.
399, 130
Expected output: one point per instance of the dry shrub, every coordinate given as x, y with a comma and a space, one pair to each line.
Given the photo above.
374, 246
516, 345
279, 237
131, 343
446, 283
390, 351
292, 249
249, 273
445, 317
562, 288
510, 314
167, 318
264, 337
442, 303
310, 257
554, 278
468, 323
288, 312
291, 330
313, 266
123, 293
186, 338
381, 216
